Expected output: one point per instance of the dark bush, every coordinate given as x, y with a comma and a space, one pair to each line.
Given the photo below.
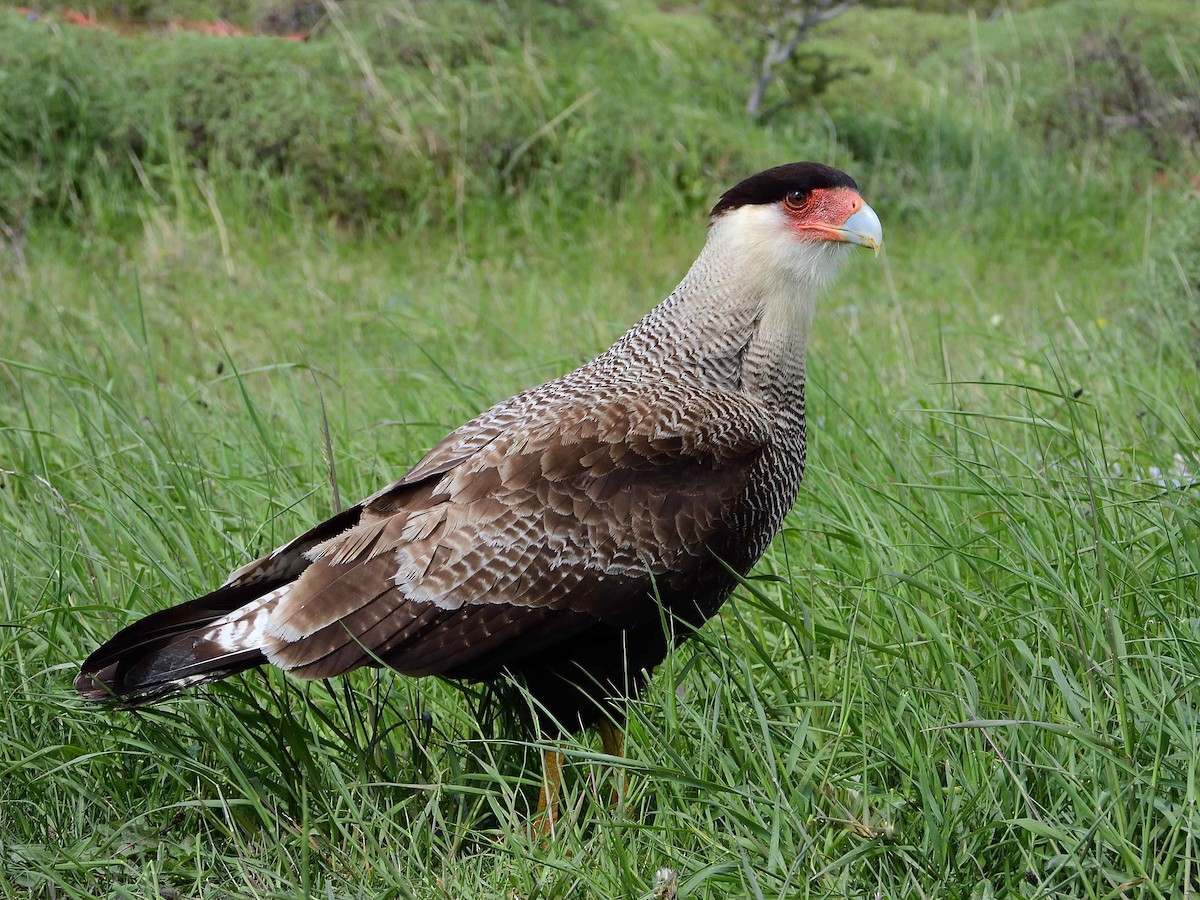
1117, 92
385, 117
79, 108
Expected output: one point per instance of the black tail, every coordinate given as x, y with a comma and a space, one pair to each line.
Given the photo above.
165, 652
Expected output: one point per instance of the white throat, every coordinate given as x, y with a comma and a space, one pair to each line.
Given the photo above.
779, 274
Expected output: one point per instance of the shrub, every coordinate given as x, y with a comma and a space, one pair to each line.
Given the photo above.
385, 115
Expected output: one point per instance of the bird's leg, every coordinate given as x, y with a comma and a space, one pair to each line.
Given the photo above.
612, 740
546, 816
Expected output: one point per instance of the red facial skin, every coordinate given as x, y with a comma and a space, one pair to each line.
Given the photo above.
821, 216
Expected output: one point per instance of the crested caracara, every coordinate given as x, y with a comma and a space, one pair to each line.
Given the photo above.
569, 535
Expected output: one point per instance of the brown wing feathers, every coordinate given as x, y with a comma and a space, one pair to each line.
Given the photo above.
494, 548
499, 540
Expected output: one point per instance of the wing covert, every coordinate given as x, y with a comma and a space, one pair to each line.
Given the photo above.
567, 519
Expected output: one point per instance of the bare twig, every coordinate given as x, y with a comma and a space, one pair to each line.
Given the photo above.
782, 39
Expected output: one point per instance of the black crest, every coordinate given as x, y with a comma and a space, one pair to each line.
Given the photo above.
774, 184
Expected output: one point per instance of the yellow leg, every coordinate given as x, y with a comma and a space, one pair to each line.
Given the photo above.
547, 808
612, 739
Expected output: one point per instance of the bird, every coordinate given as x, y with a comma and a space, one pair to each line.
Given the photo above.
570, 536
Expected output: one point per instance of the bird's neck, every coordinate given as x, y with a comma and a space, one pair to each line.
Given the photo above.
741, 317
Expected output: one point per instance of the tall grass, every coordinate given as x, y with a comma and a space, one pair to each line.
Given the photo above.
968, 667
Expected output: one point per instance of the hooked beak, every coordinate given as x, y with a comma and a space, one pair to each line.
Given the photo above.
863, 228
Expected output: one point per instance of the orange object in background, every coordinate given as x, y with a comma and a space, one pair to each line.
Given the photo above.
218, 28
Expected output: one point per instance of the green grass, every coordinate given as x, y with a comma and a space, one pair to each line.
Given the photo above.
968, 667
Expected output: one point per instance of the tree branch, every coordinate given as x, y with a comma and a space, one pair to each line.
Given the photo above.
803, 16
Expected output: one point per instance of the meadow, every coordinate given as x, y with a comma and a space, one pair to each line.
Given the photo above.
245, 283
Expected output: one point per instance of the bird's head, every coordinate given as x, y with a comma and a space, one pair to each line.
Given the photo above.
795, 221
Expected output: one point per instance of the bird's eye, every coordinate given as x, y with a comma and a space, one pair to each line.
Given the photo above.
795, 199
